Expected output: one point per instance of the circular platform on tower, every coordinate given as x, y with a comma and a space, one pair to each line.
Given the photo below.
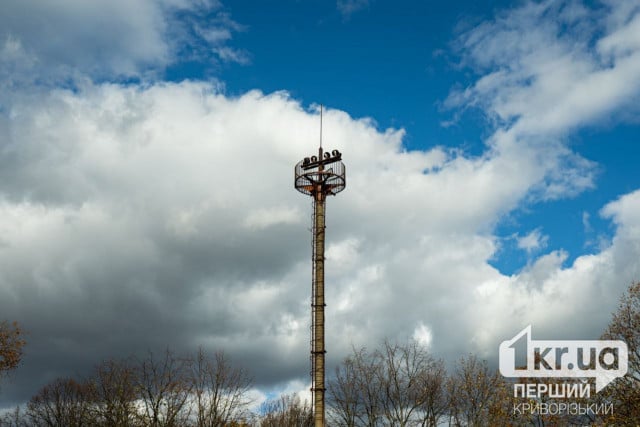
326, 175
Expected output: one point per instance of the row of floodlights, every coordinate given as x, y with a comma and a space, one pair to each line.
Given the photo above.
327, 156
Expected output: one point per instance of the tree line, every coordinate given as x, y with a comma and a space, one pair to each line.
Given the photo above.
397, 384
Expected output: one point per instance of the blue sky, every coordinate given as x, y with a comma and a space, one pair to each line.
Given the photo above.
397, 63
146, 194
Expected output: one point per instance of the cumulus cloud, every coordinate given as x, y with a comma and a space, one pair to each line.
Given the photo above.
543, 70
540, 72
145, 215
580, 296
532, 241
546, 69
71, 40
422, 335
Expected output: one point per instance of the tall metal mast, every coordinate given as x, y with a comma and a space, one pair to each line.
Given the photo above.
312, 179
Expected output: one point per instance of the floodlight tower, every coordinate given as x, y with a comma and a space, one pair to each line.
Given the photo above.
313, 179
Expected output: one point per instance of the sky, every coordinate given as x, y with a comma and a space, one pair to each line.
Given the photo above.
146, 177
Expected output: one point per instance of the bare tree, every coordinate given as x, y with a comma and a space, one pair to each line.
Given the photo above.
402, 371
367, 367
15, 418
354, 395
219, 391
624, 393
345, 406
155, 392
472, 391
163, 389
399, 385
434, 400
286, 411
113, 394
61, 403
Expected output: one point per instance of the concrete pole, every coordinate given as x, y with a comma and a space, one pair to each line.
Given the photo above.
317, 304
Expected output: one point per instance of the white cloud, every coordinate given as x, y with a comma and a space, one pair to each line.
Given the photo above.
624, 39
164, 214
73, 40
344, 254
228, 54
153, 214
625, 212
543, 76
533, 241
88, 35
422, 335
580, 297
268, 217
540, 78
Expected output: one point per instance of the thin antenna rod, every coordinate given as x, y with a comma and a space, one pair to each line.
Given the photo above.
320, 125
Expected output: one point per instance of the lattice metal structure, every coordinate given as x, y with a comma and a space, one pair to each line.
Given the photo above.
319, 177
